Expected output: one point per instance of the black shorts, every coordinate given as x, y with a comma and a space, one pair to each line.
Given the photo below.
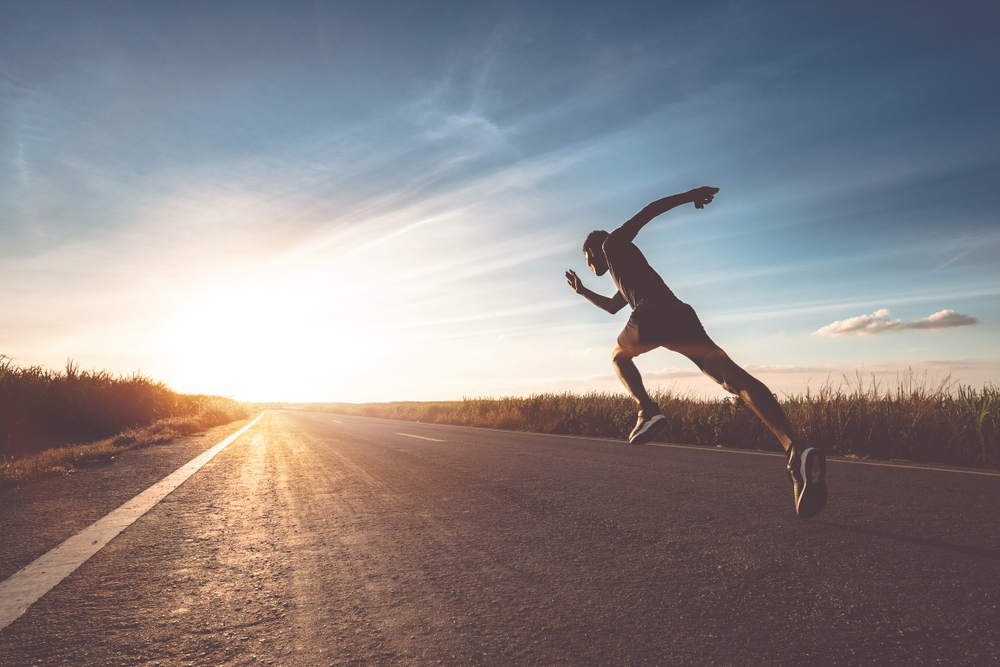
674, 326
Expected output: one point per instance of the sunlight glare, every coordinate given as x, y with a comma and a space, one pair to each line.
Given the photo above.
251, 340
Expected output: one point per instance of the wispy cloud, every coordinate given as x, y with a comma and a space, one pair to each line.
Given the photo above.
384, 203
879, 321
753, 368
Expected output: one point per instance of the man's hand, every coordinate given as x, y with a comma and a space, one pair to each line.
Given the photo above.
611, 305
574, 281
702, 196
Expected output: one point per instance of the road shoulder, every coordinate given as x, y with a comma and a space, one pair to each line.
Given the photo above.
38, 516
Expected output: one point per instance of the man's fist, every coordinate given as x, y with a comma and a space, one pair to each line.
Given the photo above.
702, 196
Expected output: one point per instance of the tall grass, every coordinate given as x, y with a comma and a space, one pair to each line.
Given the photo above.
914, 420
42, 411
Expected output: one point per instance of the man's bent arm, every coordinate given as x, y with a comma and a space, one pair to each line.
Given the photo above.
611, 305
700, 197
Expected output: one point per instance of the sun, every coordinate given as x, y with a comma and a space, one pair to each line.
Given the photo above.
247, 340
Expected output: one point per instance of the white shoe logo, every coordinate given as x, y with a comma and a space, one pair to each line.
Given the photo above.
816, 472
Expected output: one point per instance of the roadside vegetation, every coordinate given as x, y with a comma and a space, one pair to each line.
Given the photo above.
52, 420
913, 420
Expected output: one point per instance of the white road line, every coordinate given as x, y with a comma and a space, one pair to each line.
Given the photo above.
336, 422
748, 452
421, 437
25, 587
915, 466
881, 464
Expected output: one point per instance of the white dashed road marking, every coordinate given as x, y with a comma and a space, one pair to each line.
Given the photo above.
421, 437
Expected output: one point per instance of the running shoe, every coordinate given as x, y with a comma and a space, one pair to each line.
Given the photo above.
808, 472
651, 421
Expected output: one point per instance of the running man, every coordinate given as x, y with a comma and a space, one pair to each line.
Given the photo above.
660, 319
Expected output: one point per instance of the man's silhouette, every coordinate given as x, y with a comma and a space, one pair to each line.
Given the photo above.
660, 319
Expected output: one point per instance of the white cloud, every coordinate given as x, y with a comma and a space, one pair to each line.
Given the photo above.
877, 322
944, 319
863, 325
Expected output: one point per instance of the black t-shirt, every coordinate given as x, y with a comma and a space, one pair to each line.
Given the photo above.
635, 278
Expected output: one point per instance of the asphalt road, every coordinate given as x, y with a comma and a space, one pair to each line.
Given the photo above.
319, 539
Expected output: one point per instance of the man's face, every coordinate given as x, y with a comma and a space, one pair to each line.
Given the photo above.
598, 263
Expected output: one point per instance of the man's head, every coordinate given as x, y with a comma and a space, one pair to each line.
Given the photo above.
593, 250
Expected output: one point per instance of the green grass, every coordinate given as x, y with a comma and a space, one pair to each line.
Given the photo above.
914, 421
52, 419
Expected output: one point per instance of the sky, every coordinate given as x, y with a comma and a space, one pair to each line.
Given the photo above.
377, 201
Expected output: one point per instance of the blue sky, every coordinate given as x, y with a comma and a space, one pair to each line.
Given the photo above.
377, 201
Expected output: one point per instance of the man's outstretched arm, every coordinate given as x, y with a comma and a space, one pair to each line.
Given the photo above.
698, 196
611, 305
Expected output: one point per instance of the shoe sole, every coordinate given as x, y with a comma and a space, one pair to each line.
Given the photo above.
649, 429
812, 500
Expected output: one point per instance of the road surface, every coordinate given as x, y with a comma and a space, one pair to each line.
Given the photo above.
320, 539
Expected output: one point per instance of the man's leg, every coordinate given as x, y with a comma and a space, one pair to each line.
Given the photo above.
806, 466
621, 359
718, 366
629, 346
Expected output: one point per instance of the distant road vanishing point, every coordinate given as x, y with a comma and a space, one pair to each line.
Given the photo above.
319, 539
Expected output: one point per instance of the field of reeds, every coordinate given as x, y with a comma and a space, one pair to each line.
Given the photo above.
50, 420
912, 421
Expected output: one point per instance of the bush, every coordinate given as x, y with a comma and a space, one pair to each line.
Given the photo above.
41, 409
